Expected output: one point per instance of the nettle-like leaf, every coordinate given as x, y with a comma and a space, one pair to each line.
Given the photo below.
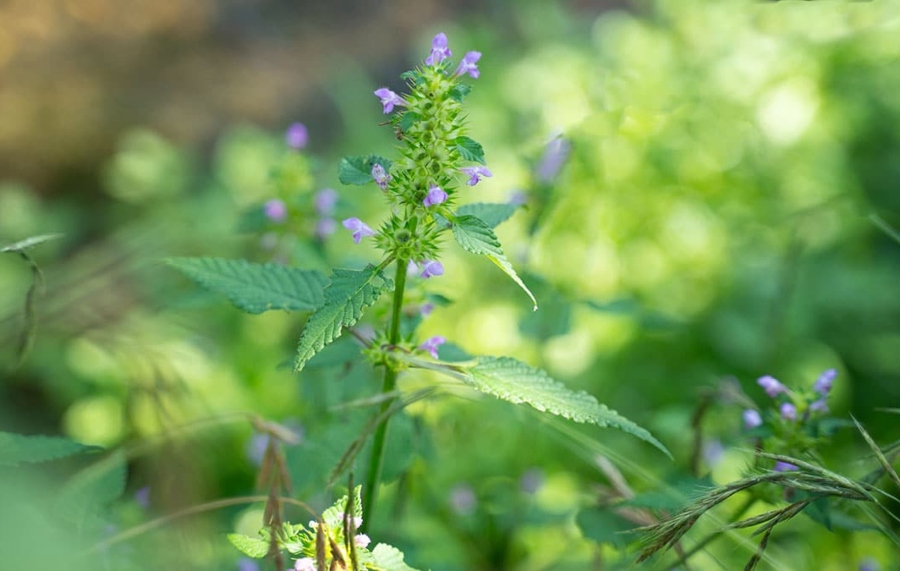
491, 214
82, 499
470, 149
388, 558
255, 288
475, 236
346, 298
17, 449
250, 546
514, 381
333, 516
358, 170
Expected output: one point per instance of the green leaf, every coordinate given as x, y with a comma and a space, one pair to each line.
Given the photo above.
490, 214
83, 498
255, 288
346, 297
408, 120
470, 150
29, 242
333, 516
459, 91
476, 236
249, 546
516, 382
389, 558
358, 170
17, 448
604, 526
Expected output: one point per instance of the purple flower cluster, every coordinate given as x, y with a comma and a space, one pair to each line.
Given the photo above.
359, 228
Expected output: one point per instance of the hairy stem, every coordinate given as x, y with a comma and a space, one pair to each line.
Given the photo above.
390, 381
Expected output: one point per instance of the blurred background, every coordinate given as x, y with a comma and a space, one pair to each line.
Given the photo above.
710, 195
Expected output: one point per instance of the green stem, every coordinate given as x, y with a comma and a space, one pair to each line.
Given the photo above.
738, 514
390, 382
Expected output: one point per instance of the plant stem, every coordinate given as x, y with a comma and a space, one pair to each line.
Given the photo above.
390, 381
738, 514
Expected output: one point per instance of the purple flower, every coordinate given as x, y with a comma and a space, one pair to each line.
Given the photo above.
752, 419
467, 65
362, 540
431, 345
247, 564
426, 308
462, 499
555, 155
388, 99
532, 480
324, 201
359, 229
819, 406
435, 196
712, 451
381, 176
518, 198
305, 564
783, 467
824, 382
142, 497
788, 411
431, 268
439, 50
869, 564
275, 210
296, 136
256, 448
771, 385
476, 174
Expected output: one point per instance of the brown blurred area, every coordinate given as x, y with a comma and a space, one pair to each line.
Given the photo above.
75, 74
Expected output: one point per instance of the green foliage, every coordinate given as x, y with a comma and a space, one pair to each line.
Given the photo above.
83, 499
470, 150
358, 170
255, 288
491, 214
347, 296
388, 558
18, 449
29, 242
475, 236
249, 546
516, 382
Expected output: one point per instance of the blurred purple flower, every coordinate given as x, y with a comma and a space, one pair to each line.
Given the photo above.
431, 268
532, 480
247, 564
256, 448
296, 136
518, 198
275, 210
824, 382
752, 419
435, 196
388, 99
783, 467
467, 65
324, 201
359, 229
142, 497
712, 451
381, 176
869, 564
305, 564
431, 345
820, 405
463, 500
426, 308
325, 227
475, 174
788, 411
362, 540
771, 385
439, 50
555, 155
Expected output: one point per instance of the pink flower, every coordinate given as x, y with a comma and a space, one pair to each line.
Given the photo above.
296, 136
275, 210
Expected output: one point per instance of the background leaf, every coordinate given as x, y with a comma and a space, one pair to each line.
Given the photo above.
470, 149
29, 242
348, 295
475, 236
514, 381
389, 558
358, 170
255, 288
249, 546
17, 448
82, 499
490, 214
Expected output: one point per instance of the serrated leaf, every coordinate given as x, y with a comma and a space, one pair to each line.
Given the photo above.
408, 119
249, 546
389, 558
491, 214
514, 381
475, 236
333, 516
358, 170
346, 298
83, 498
255, 288
470, 149
459, 91
16, 449
29, 242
